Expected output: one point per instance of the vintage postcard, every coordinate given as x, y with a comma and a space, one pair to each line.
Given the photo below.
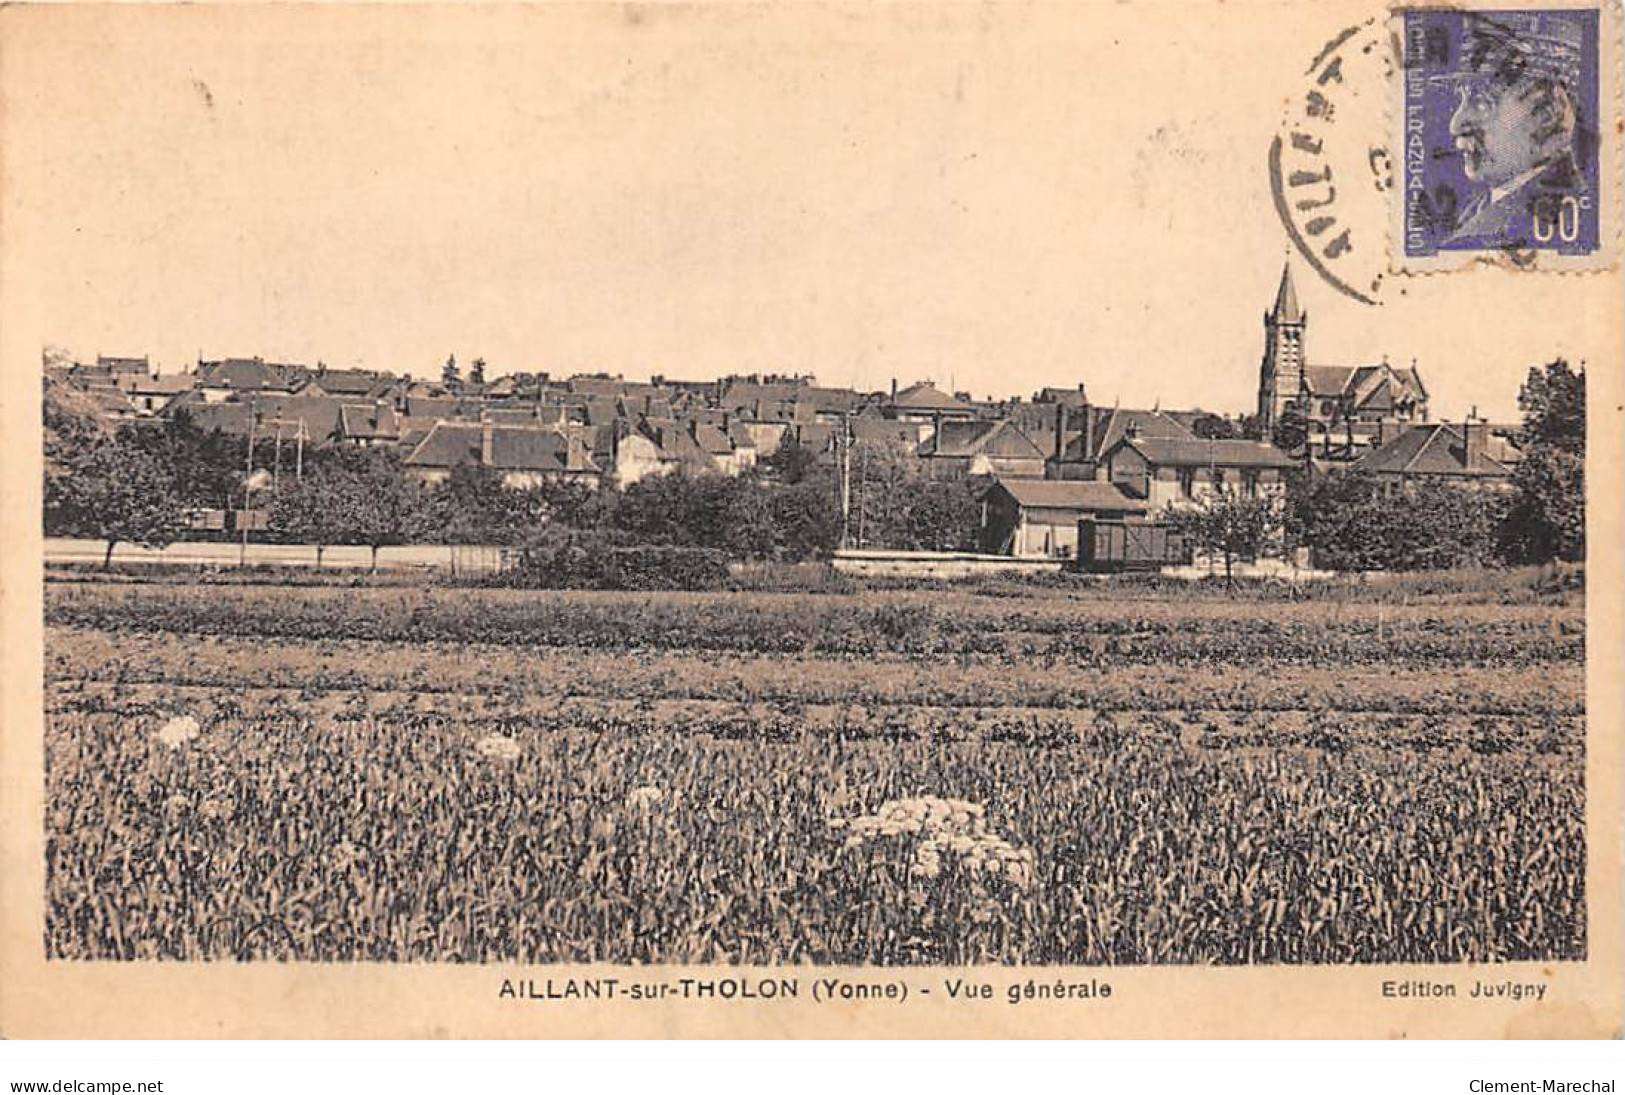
1075, 520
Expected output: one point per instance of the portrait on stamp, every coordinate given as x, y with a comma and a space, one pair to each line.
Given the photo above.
1500, 131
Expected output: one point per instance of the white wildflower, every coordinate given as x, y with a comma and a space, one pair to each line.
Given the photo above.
943, 827
178, 731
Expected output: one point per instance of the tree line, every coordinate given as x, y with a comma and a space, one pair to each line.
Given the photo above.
140, 484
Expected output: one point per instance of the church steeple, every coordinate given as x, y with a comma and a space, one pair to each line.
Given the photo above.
1280, 375
1286, 299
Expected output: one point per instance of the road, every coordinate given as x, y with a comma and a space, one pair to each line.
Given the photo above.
339, 556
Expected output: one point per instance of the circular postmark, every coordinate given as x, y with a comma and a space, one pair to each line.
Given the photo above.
1330, 169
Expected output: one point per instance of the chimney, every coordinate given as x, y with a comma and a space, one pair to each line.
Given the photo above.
894, 389
486, 438
1477, 436
1060, 431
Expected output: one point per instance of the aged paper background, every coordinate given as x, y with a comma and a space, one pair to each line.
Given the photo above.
1002, 177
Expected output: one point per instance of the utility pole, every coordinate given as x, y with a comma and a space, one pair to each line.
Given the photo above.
845, 444
248, 473
863, 490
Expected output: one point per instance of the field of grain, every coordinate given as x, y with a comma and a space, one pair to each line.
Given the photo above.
935, 776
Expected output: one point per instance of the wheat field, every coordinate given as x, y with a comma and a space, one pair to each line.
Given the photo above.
953, 776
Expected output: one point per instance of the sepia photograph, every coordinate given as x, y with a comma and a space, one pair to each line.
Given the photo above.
863, 520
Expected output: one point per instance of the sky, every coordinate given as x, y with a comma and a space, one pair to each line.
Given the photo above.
994, 198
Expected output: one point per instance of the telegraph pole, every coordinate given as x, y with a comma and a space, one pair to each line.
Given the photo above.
863, 490
248, 473
845, 443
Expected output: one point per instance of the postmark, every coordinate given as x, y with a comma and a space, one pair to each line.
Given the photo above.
1329, 164
1506, 138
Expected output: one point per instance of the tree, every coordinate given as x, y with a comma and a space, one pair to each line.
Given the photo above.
310, 509
1213, 427
1228, 523
476, 371
1291, 432
1353, 521
116, 492
791, 462
73, 426
806, 520
376, 499
450, 375
473, 506
943, 515
1546, 518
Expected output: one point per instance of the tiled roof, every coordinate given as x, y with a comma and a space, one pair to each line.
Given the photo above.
597, 385
1079, 494
926, 396
345, 381
959, 439
1112, 425
965, 439
1361, 382
711, 440
513, 448
369, 421
1198, 453
164, 383
1435, 449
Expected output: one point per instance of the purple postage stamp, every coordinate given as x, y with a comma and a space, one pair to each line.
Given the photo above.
1503, 147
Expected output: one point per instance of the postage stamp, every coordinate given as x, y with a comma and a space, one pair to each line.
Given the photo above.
1509, 147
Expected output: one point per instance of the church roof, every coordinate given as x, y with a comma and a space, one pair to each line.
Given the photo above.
1286, 298
1361, 383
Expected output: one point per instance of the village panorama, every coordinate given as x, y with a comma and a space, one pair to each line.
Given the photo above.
522, 668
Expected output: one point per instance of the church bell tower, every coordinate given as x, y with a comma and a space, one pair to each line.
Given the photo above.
1280, 376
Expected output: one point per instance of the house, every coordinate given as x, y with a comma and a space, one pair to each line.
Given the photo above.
1343, 406
1084, 434
354, 385
597, 384
368, 424
1172, 472
1472, 453
1071, 397
151, 394
1028, 517
220, 380
925, 403
311, 419
958, 449
524, 456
